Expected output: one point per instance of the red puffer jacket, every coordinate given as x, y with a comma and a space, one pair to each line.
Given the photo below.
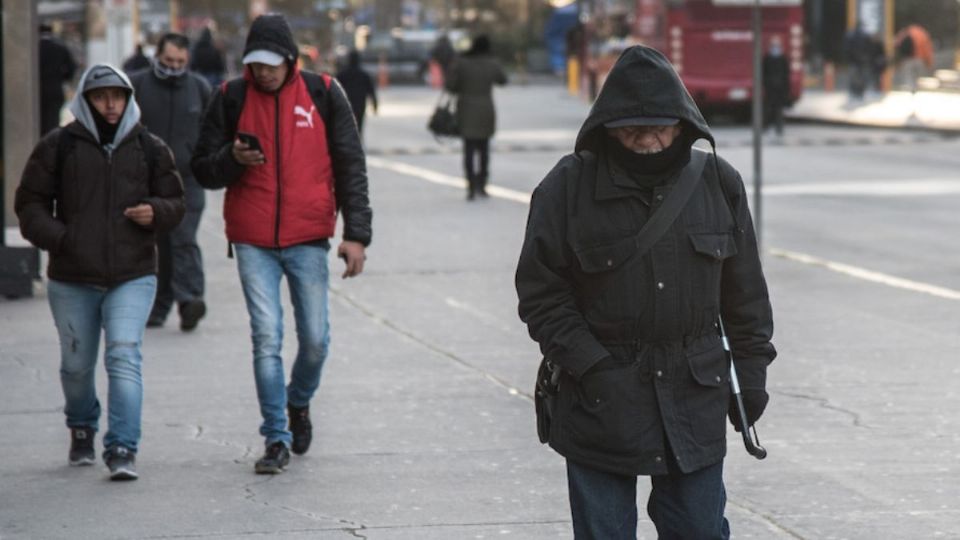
290, 199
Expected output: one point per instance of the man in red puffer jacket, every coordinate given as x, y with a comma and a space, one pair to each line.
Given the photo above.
285, 185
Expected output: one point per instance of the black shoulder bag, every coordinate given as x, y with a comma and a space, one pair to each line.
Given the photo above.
548, 374
443, 121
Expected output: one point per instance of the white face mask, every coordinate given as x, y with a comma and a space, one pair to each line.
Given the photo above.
164, 72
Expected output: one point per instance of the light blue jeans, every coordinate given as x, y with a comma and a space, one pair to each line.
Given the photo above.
305, 267
80, 311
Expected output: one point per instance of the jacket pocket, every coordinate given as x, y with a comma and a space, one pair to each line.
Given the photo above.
716, 246
606, 414
609, 286
707, 392
710, 250
605, 257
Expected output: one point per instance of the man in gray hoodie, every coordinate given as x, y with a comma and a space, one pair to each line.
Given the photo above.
93, 194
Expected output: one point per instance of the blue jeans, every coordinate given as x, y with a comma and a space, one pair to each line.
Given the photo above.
682, 506
80, 311
305, 267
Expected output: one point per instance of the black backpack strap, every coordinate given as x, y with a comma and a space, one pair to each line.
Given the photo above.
149, 150
319, 87
65, 144
234, 92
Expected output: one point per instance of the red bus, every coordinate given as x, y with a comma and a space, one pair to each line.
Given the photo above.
710, 42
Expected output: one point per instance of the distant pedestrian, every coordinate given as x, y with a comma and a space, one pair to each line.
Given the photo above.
137, 61
93, 194
285, 145
359, 86
56, 68
443, 54
776, 84
471, 78
635, 245
857, 51
172, 100
914, 53
207, 59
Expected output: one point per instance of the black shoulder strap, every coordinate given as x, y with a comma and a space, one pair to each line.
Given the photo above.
595, 257
319, 87
234, 92
663, 218
65, 143
149, 150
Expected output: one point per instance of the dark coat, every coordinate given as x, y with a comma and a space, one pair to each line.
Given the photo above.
172, 109
471, 78
776, 78
634, 333
88, 237
358, 84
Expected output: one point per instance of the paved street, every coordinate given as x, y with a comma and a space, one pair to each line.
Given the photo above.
425, 427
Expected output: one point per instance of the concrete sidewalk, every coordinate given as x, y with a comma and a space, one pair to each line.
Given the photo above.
937, 111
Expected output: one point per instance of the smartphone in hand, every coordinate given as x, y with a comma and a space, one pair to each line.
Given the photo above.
250, 140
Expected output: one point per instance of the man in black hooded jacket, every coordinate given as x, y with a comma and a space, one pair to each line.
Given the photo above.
628, 318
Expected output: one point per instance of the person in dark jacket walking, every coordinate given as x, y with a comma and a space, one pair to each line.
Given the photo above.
172, 100
56, 67
628, 318
776, 84
207, 60
281, 210
136, 61
93, 194
471, 78
358, 84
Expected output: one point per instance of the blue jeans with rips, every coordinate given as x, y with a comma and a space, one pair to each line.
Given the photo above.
261, 269
79, 312
681, 506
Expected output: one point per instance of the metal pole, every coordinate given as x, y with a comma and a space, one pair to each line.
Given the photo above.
757, 119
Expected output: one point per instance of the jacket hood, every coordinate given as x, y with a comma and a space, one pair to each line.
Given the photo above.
642, 83
272, 32
81, 109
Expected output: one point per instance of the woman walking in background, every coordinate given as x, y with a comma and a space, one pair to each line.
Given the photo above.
471, 78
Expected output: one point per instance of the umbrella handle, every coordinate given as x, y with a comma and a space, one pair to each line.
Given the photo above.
752, 443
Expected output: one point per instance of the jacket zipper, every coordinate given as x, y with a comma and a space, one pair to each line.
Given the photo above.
110, 224
276, 159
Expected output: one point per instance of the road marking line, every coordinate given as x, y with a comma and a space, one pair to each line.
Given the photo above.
868, 275
446, 179
850, 270
876, 188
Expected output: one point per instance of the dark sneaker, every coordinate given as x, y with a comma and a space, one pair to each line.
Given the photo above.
274, 459
301, 428
122, 463
81, 447
155, 321
190, 314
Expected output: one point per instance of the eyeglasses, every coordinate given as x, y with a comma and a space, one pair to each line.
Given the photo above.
636, 131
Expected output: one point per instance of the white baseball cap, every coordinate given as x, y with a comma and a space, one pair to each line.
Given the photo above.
263, 56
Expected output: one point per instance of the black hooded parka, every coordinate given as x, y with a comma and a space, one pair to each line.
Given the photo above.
643, 370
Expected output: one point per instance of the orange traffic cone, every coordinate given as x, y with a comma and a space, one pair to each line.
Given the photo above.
383, 76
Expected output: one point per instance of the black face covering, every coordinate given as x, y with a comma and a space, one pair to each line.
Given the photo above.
649, 169
105, 130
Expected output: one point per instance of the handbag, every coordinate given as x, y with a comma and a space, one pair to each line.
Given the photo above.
443, 121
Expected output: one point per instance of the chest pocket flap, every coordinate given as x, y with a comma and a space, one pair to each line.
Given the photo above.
717, 246
602, 258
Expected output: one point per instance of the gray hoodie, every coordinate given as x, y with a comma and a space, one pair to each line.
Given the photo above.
81, 109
